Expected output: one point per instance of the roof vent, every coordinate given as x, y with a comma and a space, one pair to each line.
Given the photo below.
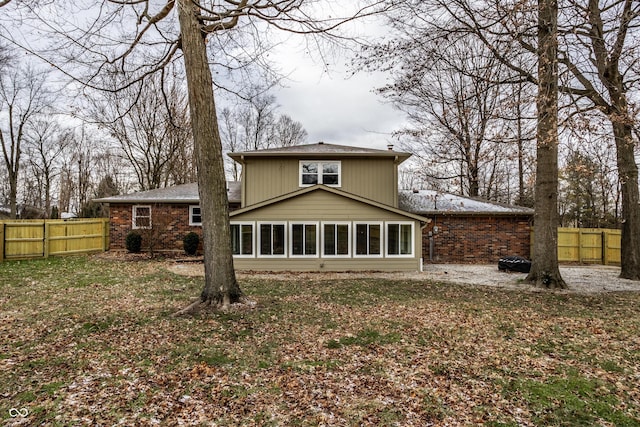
416, 191
390, 147
321, 143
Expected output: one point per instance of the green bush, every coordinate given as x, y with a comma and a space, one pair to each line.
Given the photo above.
190, 243
133, 242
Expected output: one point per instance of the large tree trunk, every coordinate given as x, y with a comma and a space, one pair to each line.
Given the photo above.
628, 174
544, 270
608, 64
220, 285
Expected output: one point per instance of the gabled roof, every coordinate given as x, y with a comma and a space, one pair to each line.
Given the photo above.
185, 193
320, 150
341, 193
429, 202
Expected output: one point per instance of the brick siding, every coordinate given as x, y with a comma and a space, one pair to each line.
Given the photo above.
170, 223
477, 239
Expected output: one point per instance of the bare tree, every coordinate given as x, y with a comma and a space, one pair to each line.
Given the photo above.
600, 55
23, 96
288, 132
45, 142
452, 98
151, 126
256, 125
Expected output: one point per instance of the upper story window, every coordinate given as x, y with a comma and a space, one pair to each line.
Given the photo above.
141, 216
324, 172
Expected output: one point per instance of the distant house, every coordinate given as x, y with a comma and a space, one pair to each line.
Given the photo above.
324, 207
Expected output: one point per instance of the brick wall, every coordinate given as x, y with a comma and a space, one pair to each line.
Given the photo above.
170, 222
476, 239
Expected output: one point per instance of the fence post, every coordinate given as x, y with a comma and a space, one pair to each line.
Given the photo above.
45, 239
105, 234
1, 241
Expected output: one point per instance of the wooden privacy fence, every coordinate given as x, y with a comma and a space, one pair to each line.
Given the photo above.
24, 239
588, 245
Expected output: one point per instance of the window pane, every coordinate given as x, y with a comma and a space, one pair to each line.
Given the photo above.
331, 168
235, 239
374, 239
343, 239
405, 239
310, 239
330, 179
310, 168
278, 239
393, 236
330, 172
142, 221
265, 239
329, 239
247, 239
309, 173
196, 217
143, 211
361, 239
309, 179
297, 239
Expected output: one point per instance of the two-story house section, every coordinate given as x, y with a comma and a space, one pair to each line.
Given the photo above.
323, 207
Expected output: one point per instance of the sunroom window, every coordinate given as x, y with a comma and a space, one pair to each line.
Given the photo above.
325, 172
272, 239
304, 239
335, 239
399, 239
242, 239
368, 239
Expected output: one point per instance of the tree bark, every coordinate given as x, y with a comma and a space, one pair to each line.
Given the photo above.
544, 269
628, 175
221, 286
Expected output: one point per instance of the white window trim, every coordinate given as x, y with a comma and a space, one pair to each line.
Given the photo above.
191, 223
355, 239
348, 224
290, 240
134, 217
259, 239
413, 239
320, 163
253, 238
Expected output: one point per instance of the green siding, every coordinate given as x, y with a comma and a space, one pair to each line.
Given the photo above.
372, 178
320, 206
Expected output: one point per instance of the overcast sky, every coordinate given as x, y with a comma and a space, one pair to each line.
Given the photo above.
335, 106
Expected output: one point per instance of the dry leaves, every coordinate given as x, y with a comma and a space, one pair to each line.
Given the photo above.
89, 342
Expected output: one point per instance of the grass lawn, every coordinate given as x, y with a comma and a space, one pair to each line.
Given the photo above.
85, 341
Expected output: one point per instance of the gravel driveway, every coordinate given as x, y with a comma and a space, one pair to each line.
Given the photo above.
580, 279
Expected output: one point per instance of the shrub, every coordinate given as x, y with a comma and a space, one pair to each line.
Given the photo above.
190, 243
133, 242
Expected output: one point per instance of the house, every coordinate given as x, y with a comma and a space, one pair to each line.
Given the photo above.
311, 207
329, 207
